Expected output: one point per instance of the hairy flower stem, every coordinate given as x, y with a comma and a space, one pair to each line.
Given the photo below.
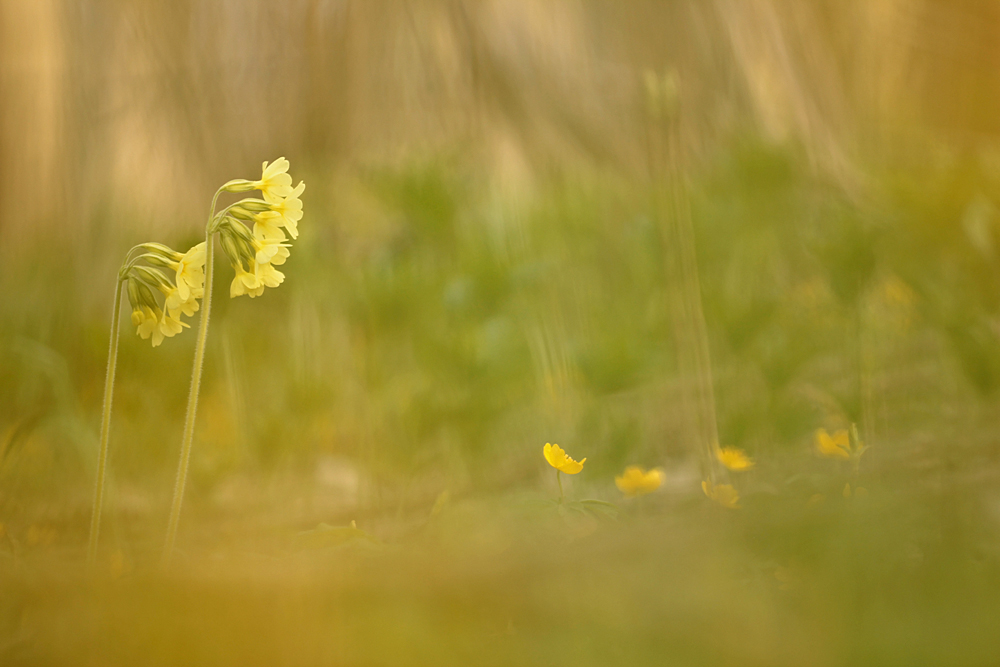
192, 405
102, 458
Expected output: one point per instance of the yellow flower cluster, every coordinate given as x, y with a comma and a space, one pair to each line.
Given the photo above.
181, 289
254, 254
636, 481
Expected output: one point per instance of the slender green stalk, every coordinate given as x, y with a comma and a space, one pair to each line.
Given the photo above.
192, 405
102, 459
562, 496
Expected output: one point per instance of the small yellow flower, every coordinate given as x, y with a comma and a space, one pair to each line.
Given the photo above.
267, 225
147, 323
724, 494
275, 183
837, 446
175, 305
170, 325
245, 282
636, 482
190, 271
270, 250
289, 210
268, 276
734, 458
558, 459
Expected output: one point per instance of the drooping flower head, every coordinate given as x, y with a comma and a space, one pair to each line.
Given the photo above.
559, 460
254, 255
150, 319
636, 482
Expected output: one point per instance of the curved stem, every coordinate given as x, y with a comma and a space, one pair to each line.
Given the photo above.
192, 405
102, 459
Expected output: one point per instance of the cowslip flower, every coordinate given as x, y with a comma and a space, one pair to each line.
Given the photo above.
724, 494
147, 323
558, 459
170, 325
176, 305
245, 282
289, 210
636, 482
734, 458
268, 276
274, 183
270, 250
267, 225
190, 270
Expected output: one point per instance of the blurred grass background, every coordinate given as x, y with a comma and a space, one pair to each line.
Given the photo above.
485, 266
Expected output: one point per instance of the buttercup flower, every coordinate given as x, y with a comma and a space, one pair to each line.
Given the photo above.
275, 183
636, 482
558, 459
734, 458
724, 494
837, 446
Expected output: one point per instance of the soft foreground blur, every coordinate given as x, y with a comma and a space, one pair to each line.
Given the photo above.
493, 257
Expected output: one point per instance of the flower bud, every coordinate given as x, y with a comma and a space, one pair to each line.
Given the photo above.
157, 260
134, 300
239, 185
240, 230
240, 213
161, 250
152, 276
237, 249
146, 297
254, 205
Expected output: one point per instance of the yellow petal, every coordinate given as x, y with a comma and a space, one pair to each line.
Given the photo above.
558, 459
834, 447
734, 458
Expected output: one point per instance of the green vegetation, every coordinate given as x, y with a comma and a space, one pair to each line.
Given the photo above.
433, 332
